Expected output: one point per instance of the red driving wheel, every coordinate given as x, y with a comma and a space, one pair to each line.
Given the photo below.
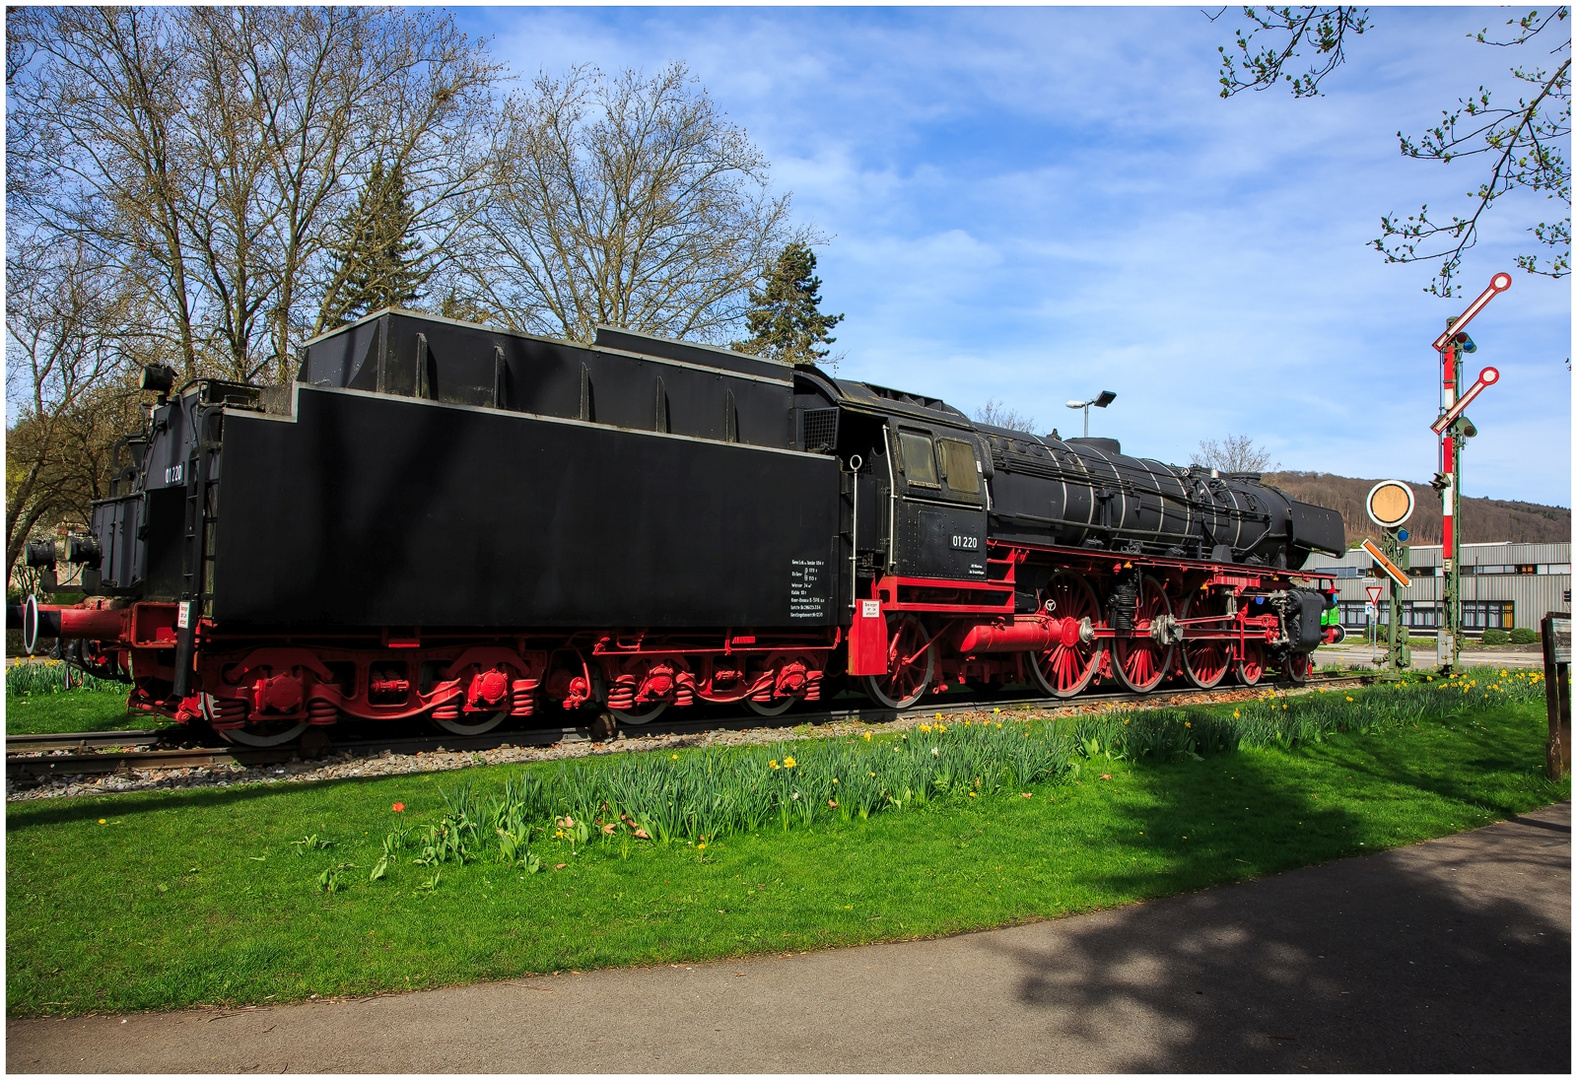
1140, 662
1068, 666
1252, 667
909, 666
1206, 662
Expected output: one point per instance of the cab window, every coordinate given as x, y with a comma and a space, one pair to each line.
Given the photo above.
958, 466
919, 466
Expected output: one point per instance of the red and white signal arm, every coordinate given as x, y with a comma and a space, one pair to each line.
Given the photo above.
1488, 377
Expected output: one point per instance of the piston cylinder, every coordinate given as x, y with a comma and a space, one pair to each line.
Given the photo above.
1025, 633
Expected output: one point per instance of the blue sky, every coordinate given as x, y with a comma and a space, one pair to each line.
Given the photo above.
1035, 204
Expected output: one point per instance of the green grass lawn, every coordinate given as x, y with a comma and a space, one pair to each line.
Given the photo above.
77, 710
180, 898
36, 702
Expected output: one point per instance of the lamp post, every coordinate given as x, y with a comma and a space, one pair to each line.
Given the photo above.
1100, 401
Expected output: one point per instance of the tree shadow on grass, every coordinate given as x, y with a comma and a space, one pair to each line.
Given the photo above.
128, 805
1452, 956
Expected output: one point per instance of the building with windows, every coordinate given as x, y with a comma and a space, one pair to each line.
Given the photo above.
1503, 585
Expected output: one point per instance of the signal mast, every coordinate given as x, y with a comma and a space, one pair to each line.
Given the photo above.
1454, 430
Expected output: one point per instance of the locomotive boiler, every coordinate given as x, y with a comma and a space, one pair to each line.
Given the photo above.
453, 521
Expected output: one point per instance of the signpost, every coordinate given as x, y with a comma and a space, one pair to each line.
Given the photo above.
1454, 430
1390, 503
1556, 630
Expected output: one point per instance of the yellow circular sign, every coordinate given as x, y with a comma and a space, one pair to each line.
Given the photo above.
1390, 503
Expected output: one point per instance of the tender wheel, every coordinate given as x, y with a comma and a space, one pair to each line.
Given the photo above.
260, 731
776, 707
603, 728
1140, 662
1251, 668
641, 714
1206, 662
1296, 668
477, 723
1068, 666
910, 666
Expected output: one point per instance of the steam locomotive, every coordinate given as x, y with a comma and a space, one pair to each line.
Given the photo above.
448, 520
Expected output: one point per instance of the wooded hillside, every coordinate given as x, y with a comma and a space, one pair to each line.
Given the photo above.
1481, 521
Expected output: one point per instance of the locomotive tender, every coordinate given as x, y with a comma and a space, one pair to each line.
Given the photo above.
444, 519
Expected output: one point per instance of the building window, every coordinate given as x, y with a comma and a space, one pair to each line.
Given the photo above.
1422, 616
1488, 615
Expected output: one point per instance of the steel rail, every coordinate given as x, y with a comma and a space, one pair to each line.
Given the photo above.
22, 765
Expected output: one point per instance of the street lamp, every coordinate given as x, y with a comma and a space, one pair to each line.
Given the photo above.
1105, 398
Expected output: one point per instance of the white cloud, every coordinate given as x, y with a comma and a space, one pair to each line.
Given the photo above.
1031, 204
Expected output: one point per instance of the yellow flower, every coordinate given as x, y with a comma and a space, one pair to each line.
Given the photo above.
1283, 706
700, 847
996, 712
834, 779
1235, 715
867, 736
1349, 697
788, 763
674, 757
971, 794
941, 727
938, 716
772, 764
103, 821
1187, 724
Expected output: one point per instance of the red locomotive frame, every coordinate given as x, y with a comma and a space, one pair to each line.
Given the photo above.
909, 637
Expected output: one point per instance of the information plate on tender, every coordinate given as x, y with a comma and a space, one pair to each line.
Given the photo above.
807, 589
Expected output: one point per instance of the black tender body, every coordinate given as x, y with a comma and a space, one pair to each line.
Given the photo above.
428, 473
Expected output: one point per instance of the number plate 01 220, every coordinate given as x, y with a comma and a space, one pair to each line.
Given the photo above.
966, 543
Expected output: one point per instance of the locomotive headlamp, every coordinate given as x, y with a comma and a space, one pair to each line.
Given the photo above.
158, 378
41, 554
82, 548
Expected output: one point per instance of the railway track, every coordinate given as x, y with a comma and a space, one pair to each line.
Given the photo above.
31, 758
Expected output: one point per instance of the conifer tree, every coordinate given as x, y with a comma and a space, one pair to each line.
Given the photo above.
785, 318
379, 262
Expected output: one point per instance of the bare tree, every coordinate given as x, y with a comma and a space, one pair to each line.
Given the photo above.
68, 326
630, 202
1521, 146
1234, 453
210, 152
998, 414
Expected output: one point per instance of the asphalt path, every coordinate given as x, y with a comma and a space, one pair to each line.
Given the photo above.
1448, 956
